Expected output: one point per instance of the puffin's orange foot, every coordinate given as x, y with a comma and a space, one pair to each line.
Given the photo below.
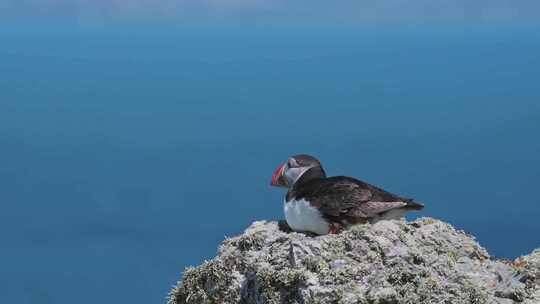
335, 228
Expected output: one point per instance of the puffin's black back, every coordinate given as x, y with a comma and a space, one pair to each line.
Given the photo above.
342, 196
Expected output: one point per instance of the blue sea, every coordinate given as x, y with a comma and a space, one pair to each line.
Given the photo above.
130, 150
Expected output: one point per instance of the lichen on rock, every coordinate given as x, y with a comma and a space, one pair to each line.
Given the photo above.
424, 261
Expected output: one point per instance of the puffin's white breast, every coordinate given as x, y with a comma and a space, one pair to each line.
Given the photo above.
302, 217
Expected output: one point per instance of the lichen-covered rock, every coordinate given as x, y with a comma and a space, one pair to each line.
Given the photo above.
529, 269
425, 261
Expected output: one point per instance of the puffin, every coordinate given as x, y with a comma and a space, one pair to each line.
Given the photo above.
318, 204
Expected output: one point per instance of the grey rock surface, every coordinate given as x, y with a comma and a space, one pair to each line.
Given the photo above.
425, 261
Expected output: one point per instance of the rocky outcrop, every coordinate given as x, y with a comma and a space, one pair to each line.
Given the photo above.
425, 261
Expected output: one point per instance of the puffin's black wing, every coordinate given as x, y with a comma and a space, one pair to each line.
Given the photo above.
345, 196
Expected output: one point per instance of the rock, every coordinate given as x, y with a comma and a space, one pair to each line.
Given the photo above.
425, 261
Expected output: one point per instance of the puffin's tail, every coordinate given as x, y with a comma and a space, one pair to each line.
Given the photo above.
412, 205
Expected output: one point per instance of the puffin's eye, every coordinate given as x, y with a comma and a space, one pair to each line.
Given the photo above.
291, 163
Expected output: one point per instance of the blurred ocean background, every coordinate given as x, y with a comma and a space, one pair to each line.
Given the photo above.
136, 135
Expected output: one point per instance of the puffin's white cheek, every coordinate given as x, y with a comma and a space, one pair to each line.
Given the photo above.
292, 175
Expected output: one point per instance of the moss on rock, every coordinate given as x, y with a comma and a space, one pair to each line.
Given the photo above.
425, 261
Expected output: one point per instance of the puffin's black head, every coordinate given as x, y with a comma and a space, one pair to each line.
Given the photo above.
287, 174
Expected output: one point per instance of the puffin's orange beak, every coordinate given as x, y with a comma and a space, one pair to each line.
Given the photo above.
277, 177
